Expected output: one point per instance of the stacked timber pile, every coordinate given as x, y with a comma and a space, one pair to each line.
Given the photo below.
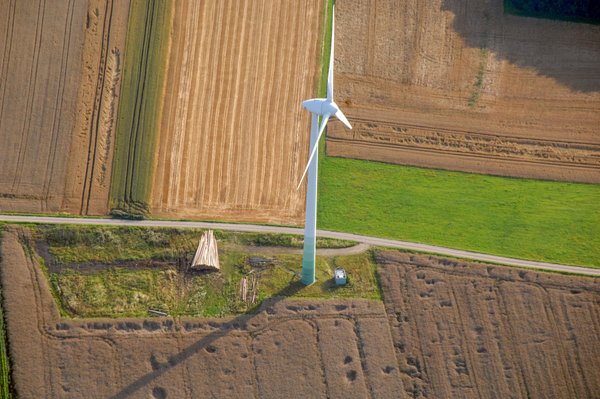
207, 254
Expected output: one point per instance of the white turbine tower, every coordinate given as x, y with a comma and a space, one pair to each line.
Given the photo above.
325, 108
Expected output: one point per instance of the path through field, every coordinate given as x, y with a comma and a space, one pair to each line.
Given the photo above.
374, 241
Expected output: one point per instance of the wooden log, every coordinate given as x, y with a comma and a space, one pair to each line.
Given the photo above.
243, 289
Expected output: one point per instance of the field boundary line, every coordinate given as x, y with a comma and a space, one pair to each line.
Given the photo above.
253, 228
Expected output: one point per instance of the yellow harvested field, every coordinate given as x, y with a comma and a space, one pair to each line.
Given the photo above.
234, 138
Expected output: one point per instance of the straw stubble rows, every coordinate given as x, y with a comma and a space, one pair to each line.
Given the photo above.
233, 137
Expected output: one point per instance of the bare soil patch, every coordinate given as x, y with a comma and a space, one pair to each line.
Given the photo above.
468, 88
234, 138
60, 72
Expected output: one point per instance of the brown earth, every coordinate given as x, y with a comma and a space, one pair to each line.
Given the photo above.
60, 77
466, 330
234, 138
407, 75
446, 329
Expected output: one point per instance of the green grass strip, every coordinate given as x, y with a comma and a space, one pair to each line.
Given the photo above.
139, 117
117, 291
5, 380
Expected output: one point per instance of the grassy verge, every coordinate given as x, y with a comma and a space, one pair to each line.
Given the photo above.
6, 390
326, 51
285, 240
139, 105
119, 291
479, 78
79, 244
586, 11
5, 381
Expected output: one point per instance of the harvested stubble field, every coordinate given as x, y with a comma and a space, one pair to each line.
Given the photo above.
60, 77
447, 86
233, 137
447, 329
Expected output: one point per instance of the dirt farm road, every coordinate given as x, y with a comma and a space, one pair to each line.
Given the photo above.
322, 233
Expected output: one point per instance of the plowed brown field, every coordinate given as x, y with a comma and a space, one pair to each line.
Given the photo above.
448, 329
234, 137
464, 87
60, 72
475, 331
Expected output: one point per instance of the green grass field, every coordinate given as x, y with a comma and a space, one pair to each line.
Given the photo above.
118, 291
139, 106
529, 219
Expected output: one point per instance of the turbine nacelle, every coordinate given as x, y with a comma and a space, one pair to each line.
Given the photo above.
324, 107
321, 106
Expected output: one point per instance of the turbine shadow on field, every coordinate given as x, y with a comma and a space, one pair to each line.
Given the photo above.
567, 52
292, 288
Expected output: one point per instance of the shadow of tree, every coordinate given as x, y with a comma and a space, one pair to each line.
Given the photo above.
567, 52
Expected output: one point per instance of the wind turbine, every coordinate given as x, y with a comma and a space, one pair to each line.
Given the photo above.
325, 108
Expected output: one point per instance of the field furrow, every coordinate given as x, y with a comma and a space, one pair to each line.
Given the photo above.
140, 107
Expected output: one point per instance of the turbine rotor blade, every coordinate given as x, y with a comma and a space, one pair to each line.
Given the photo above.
331, 58
340, 115
314, 151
